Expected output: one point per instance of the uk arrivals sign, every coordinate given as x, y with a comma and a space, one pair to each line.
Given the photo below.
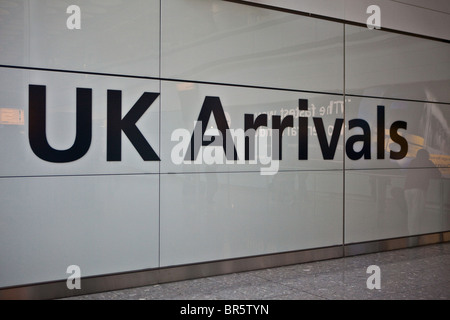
222, 145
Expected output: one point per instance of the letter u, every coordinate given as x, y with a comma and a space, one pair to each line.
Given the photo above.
37, 126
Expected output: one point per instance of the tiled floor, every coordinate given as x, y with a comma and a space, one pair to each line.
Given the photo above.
416, 273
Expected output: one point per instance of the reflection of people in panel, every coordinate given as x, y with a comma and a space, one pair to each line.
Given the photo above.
416, 186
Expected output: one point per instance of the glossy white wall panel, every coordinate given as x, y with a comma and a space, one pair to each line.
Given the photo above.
381, 204
211, 216
428, 127
234, 43
428, 18
19, 159
103, 224
384, 64
115, 37
181, 103
330, 8
14, 37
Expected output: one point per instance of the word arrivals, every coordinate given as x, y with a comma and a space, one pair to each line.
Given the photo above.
239, 145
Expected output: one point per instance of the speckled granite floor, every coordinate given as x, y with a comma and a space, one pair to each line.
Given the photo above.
416, 273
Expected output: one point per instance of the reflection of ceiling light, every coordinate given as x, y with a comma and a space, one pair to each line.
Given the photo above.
12, 116
215, 8
185, 86
113, 2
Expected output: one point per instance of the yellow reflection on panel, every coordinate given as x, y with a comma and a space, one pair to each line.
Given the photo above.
415, 143
442, 162
12, 116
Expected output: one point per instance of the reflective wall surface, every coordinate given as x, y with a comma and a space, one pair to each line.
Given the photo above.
386, 197
114, 36
250, 46
61, 122
386, 64
229, 215
169, 133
